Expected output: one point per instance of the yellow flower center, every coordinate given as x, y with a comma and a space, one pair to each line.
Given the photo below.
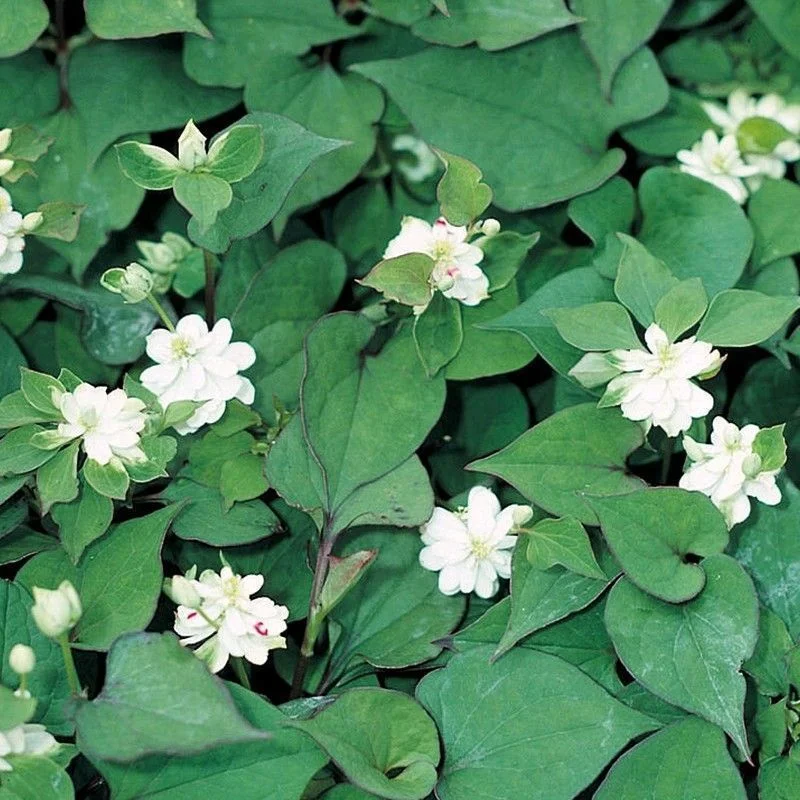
442, 252
480, 549
182, 348
231, 588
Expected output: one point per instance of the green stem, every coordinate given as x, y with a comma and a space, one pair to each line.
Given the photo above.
666, 458
210, 292
161, 313
241, 672
69, 664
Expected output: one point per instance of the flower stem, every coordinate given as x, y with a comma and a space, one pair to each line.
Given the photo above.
309, 637
241, 671
161, 313
69, 664
210, 292
666, 459
62, 55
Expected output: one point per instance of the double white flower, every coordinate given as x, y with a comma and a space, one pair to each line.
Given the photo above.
471, 548
193, 363
456, 273
728, 471
655, 386
228, 621
27, 740
13, 229
108, 423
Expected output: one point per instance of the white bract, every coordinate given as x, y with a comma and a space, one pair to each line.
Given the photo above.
456, 273
728, 471
193, 363
108, 423
228, 621
56, 611
28, 740
22, 659
740, 107
13, 229
718, 161
425, 163
471, 548
655, 386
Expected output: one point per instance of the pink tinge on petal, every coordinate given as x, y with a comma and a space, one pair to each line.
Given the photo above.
261, 629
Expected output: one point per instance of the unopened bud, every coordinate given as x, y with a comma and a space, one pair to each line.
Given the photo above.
760, 135
191, 147
490, 227
30, 222
6, 165
56, 611
181, 590
22, 659
133, 282
5, 139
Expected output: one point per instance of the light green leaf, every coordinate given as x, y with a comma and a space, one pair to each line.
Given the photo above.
565, 542
203, 195
608, 209
139, 694
59, 221
770, 446
741, 318
109, 479
597, 326
504, 254
493, 24
18, 455
14, 709
148, 166
681, 307
109, 19
405, 279
461, 194
21, 26
234, 154
575, 452
685, 761
38, 390
494, 126
83, 520
383, 741
690, 654
653, 531
57, 480
438, 333
484, 712
242, 479
35, 777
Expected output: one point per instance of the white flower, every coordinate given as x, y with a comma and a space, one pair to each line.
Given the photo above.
22, 659
229, 622
655, 387
27, 739
472, 547
719, 162
426, 164
13, 229
6, 164
456, 272
194, 363
108, 422
191, 147
728, 471
56, 611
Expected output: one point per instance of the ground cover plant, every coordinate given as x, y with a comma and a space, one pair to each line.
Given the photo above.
399, 399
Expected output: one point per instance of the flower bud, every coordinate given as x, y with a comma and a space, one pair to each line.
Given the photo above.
6, 165
30, 222
22, 659
760, 135
490, 227
133, 282
5, 139
713, 368
181, 590
56, 611
158, 256
191, 147
521, 515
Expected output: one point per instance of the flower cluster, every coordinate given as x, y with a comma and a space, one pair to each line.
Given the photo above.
13, 229
653, 386
759, 137
193, 363
471, 548
26, 739
221, 613
456, 273
728, 471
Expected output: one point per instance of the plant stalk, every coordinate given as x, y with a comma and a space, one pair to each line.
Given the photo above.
241, 671
69, 664
161, 313
211, 289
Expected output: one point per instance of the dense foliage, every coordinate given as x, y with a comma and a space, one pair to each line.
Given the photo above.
399, 399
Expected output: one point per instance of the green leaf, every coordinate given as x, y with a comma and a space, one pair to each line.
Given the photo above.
234, 154
22, 26
779, 779
246, 770
109, 479
565, 542
405, 279
208, 455
32, 88
577, 452
770, 446
139, 694
782, 19
741, 318
57, 479
10, 362
641, 280
35, 777
242, 479
504, 254
118, 579
690, 654
493, 126
18, 455
608, 209
493, 24
681, 307
83, 520
612, 31
597, 326
696, 229
684, 761
343, 574
484, 712
393, 618
14, 710
768, 664
653, 531
767, 549
23, 543
38, 390
289, 150
203, 195
461, 194
383, 741
438, 333
59, 221
147, 166
108, 19
205, 519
